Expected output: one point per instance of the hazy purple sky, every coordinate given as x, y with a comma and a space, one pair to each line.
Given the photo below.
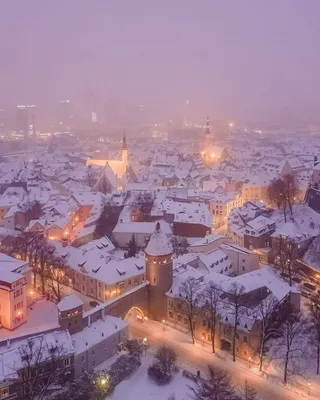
228, 57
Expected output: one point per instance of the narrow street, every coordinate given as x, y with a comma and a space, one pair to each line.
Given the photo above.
195, 357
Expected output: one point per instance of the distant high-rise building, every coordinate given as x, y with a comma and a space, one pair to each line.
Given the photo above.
65, 113
22, 120
91, 107
25, 120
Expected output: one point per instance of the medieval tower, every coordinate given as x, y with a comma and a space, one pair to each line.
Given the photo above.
159, 268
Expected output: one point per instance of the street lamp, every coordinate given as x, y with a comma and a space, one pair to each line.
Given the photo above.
145, 345
249, 359
163, 325
103, 381
203, 336
309, 388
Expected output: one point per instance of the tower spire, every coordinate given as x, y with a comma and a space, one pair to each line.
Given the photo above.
207, 131
208, 136
124, 141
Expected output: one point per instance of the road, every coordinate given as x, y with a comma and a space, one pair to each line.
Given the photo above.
195, 358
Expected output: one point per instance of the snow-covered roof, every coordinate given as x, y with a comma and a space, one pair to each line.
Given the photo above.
97, 332
158, 244
209, 238
12, 269
102, 244
312, 255
191, 213
69, 302
141, 227
10, 358
100, 265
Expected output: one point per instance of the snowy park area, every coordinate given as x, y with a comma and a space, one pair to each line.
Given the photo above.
140, 386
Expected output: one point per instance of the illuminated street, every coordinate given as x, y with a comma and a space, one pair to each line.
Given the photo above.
193, 358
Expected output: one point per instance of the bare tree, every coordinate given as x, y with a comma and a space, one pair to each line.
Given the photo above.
190, 291
39, 367
23, 244
267, 313
237, 308
56, 279
27, 247
43, 262
211, 296
282, 192
215, 386
290, 345
141, 206
249, 393
164, 365
291, 188
314, 332
179, 245
276, 196
286, 255
167, 359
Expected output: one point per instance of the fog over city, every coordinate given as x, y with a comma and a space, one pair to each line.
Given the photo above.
231, 59
159, 200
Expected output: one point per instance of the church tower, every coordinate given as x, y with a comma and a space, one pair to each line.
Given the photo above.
159, 268
124, 150
208, 136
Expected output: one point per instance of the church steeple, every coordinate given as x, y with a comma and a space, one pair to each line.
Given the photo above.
208, 135
124, 141
207, 131
124, 150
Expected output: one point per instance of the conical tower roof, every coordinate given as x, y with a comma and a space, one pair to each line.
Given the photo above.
159, 244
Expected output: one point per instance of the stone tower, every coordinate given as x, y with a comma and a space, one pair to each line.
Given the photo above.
208, 136
124, 151
71, 313
159, 268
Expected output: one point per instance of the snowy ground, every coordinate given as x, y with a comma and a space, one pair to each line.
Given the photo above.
139, 386
41, 316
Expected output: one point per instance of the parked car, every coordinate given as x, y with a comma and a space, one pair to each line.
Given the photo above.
309, 286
